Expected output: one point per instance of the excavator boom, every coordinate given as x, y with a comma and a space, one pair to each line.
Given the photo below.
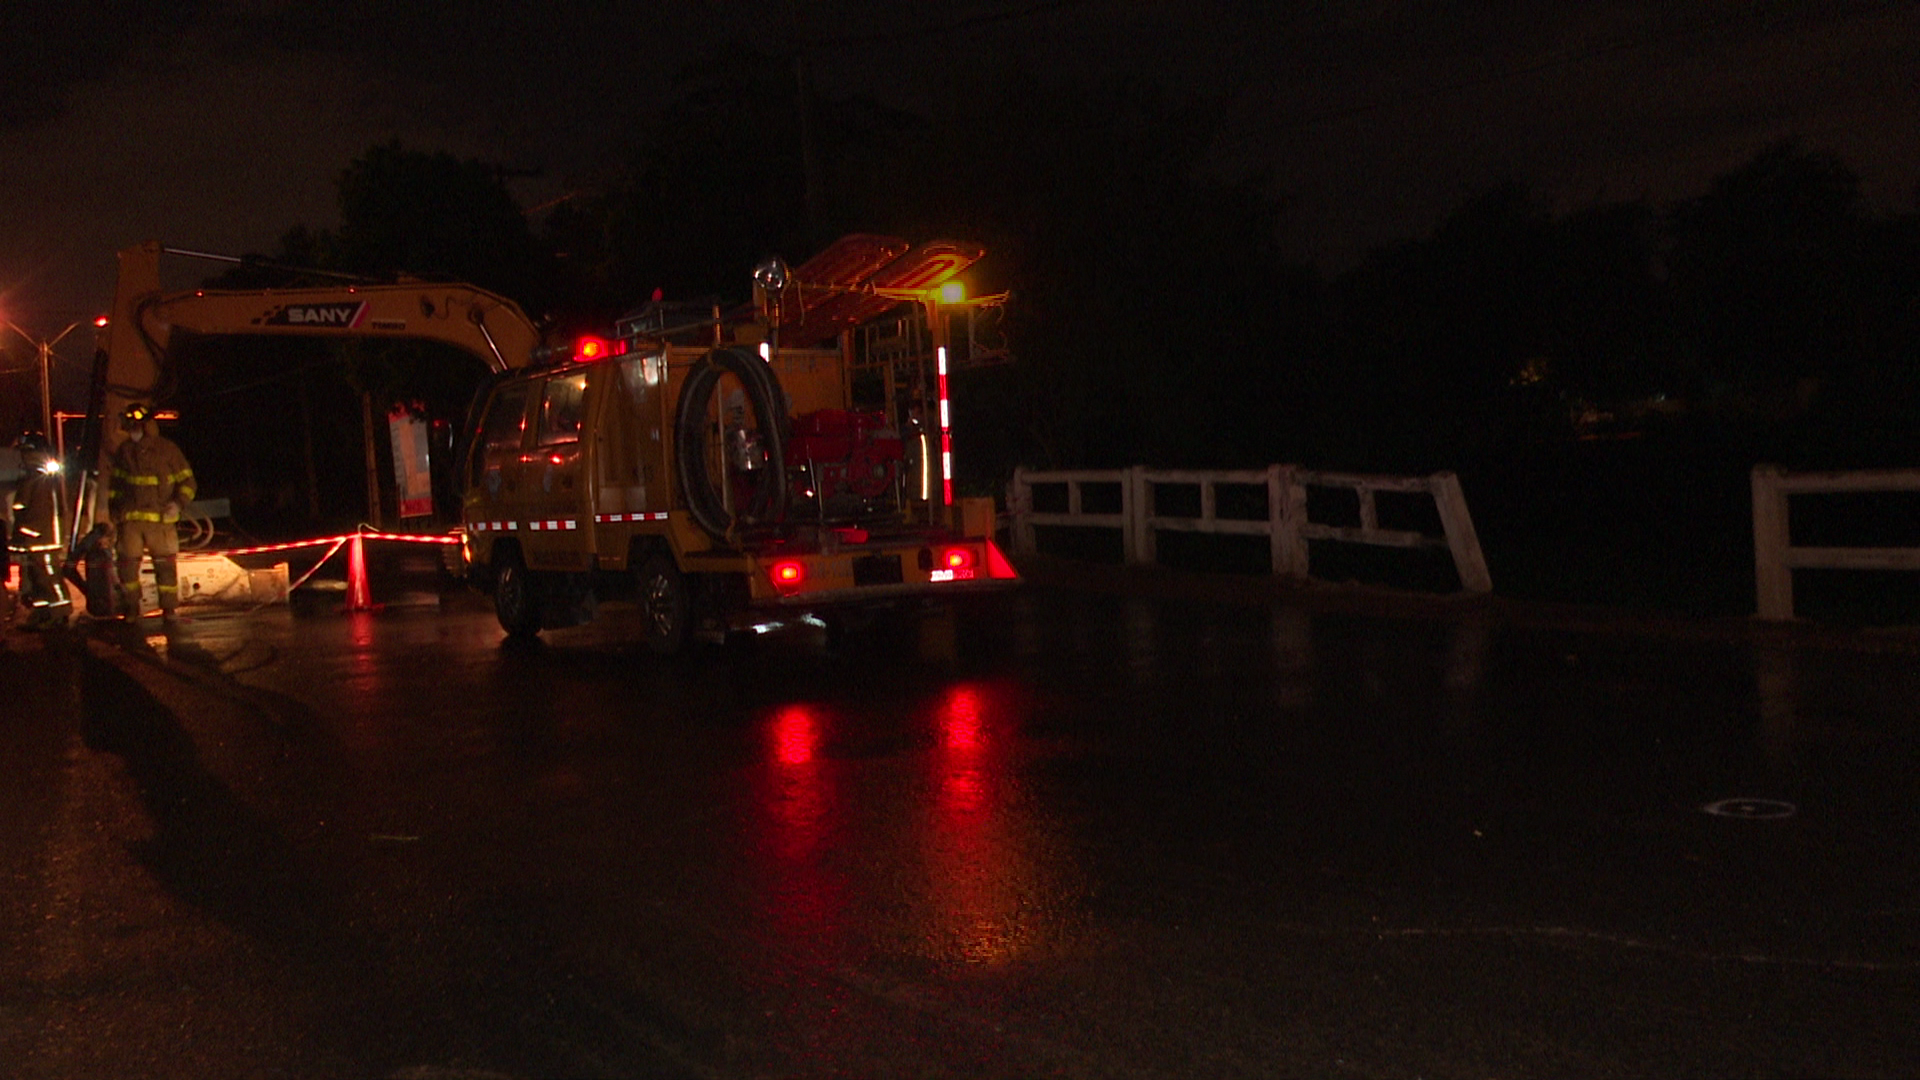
132, 362
490, 326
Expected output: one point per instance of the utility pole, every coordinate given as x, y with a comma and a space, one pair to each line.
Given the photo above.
45, 349
373, 467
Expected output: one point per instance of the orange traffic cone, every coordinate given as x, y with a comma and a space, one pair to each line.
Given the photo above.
359, 595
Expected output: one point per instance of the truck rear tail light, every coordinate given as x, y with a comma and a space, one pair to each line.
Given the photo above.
953, 564
788, 576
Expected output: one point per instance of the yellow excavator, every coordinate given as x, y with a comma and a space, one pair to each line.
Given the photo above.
133, 363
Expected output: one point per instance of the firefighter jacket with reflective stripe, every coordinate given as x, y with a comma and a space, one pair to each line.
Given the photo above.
149, 473
36, 513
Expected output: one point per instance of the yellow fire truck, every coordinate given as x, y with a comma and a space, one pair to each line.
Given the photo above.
730, 471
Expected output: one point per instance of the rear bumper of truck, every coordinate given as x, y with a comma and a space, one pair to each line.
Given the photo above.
798, 580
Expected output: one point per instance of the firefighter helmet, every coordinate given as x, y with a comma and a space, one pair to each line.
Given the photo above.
33, 443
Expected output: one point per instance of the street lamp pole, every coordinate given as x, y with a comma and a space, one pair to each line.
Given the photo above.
45, 348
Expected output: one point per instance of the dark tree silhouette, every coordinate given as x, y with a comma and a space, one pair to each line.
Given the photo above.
1153, 316
716, 182
404, 213
1763, 269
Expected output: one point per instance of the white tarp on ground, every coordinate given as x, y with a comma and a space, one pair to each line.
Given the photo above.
216, 579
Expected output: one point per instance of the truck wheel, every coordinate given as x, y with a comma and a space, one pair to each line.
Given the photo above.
665, 605
514, 603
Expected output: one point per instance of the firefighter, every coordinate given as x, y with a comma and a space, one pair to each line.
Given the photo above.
152, 483
36, 534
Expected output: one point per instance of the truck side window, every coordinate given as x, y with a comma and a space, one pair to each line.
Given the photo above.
506, 419
561, 410
500, 428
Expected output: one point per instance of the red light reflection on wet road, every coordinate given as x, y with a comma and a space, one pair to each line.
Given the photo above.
795, 736
371, 681
960, 723
937, 850
803, 900
977, 873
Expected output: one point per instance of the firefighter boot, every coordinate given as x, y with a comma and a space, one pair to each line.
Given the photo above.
50, 617
166, 581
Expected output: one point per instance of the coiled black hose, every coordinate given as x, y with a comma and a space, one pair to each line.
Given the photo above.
767, 503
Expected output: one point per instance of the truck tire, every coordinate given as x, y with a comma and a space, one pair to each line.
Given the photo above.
665, 605
514, 601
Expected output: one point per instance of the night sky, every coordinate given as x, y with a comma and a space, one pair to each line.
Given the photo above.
220, 123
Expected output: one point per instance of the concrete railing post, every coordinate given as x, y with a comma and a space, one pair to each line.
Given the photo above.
1136, 499
1462, 540
1772, 577
1020, 508
1286, 513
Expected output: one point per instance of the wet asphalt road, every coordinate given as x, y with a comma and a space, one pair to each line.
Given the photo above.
1106, 826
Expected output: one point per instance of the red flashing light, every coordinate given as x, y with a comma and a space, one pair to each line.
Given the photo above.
958, 558
100, 320
589, 347
788, 576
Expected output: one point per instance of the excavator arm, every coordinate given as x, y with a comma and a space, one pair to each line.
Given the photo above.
132, 363
491, 327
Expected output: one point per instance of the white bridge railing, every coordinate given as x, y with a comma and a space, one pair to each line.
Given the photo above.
1775, 558
1286, 524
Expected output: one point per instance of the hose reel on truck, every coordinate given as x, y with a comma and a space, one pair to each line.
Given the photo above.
751, 487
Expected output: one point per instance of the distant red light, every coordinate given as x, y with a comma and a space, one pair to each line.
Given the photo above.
100, 321
956, 558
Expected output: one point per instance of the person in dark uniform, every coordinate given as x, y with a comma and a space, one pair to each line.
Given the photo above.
36, 535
